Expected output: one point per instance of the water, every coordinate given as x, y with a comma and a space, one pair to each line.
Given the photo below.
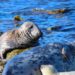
23, 8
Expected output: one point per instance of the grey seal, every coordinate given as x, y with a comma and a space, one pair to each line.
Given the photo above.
41, 58
21, 37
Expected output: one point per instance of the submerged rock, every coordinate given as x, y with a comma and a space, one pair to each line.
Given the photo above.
10, 55
15, 52
30, 61
57, 11
17, 18
55, 28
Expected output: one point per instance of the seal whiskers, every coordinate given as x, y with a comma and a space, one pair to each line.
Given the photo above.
19, 38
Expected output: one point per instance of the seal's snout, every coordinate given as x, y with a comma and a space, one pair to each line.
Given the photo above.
35, 32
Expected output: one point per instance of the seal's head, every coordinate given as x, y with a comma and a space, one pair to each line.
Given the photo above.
31, 29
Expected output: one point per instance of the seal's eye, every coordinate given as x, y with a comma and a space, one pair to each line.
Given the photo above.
30, 28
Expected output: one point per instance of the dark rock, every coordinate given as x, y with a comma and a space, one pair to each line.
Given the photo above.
57, 11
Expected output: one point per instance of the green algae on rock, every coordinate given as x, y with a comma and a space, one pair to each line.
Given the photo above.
29, 61
57, 11
17, 18
55, 28
15, 52
10, 55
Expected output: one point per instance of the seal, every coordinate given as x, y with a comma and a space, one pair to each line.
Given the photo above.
21, 37
48, 70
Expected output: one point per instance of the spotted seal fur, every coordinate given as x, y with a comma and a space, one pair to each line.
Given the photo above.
18, 38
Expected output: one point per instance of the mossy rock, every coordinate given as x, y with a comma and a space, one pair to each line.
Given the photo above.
55, 28
57, 11
2, 66
17, 18
9, 55
15, 52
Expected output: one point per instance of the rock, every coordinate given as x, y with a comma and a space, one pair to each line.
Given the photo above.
23, 37
10, 55
1, 66
15, 52
17, 18
55, 28
30, 61
57, 11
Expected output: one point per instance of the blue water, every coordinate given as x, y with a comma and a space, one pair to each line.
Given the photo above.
23, 8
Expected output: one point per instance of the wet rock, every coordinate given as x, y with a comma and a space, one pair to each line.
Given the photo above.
30, 61
17, 18
2, 63
57, 11
10, 55
55, 28
4, 0
15, 52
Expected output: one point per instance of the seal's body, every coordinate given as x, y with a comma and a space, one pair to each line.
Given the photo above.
19, 38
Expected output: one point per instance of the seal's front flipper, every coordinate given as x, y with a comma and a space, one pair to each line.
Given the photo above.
2, 58
48, 70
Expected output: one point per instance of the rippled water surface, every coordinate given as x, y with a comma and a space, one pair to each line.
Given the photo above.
63, 24
23, 8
